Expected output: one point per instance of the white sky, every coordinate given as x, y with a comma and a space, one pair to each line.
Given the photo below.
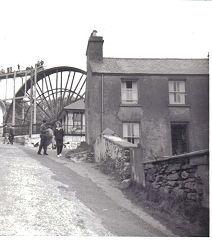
57, 31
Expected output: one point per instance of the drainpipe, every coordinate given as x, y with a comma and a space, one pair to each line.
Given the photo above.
102, 103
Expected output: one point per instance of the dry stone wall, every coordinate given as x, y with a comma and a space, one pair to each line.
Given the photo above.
184, 177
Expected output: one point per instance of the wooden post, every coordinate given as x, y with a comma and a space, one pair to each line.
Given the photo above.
25, 84
22, 109
13, 116
34, 100
6, 86
67, 132
31, 113
22, 102
34, 95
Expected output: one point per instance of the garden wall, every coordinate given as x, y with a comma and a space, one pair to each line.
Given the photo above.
113, 155
184, 177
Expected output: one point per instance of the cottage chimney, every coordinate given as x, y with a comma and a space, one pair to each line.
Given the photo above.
95, 47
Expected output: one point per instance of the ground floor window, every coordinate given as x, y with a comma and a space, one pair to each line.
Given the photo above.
131, 132
179, 138
73, 123
77, 120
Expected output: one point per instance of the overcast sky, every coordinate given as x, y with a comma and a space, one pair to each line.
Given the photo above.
57, 31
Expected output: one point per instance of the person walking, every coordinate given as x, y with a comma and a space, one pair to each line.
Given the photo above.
6, 134
59, 133
43, 138
11, 134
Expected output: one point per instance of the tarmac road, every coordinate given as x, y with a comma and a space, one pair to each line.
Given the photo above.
50, 196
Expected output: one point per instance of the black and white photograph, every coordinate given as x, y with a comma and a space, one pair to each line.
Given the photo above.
104, 118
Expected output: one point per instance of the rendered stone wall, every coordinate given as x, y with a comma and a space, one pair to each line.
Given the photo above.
153, 111
113, 155
185, 177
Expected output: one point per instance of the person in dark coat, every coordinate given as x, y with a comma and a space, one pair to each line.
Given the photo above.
6, 134
59, 133
11, 134
43, 138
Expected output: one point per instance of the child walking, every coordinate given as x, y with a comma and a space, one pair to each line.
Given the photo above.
59, 133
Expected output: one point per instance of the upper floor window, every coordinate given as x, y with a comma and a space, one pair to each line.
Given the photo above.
177, 92
131, 132
129, 92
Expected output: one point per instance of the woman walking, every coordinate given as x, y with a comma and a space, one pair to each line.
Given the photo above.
59, 133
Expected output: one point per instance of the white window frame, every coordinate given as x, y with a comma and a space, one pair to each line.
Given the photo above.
77, 120
177, 92
129, 95
131, 132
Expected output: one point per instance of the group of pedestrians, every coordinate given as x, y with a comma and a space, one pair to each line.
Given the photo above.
46, 136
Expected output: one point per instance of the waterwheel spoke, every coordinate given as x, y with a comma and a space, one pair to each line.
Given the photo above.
80, 90
76, 86
40, 107
25, 116
44, 97
67, 80
70, 88
50, 103
52, 92
61, 85
43, 110
56, 88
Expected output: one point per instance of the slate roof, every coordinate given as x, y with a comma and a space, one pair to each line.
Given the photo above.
79, 105
150, 66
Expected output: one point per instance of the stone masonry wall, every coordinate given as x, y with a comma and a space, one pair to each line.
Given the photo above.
116, 161
184, 177
113, 155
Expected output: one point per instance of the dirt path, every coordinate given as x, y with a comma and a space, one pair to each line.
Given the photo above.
99, 193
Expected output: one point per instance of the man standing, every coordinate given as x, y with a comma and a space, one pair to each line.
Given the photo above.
43, 138
6, 134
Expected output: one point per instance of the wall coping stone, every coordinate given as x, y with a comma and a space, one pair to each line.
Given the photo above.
119, 141
185, 155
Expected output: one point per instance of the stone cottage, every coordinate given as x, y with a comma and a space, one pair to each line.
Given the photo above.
162, 105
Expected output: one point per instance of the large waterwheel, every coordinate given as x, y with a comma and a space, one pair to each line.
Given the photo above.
53, 89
